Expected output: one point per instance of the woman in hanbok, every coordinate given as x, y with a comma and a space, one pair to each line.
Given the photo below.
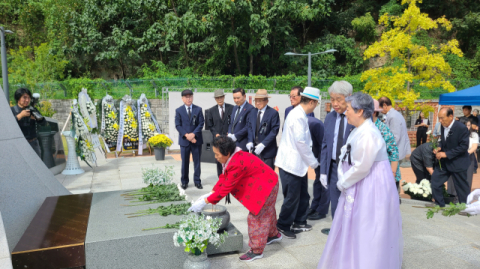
367, 229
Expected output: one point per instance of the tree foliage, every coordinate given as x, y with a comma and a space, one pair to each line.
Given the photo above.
426, 66
365, 28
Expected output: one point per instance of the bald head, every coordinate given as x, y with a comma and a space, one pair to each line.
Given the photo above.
445, 116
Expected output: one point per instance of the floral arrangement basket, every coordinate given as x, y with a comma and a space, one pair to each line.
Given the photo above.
160, 141
110, 125
82, 135
128, 129
197, 231
421, 191
148, 125
87, 108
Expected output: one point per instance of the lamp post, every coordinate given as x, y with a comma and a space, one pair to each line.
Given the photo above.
4, 62
310, 61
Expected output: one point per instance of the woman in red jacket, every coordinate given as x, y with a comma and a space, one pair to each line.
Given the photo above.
255, 185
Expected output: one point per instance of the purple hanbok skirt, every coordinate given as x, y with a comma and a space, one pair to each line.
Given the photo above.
367, 229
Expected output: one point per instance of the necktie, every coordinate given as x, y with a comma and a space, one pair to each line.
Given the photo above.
340, 136
189, 113
236, 115
258, 126
221, 115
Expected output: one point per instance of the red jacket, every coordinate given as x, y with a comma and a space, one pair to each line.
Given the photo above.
248, 179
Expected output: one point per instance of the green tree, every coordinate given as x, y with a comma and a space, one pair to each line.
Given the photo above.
365, 28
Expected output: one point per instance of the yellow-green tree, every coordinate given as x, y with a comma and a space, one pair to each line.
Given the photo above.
425, 66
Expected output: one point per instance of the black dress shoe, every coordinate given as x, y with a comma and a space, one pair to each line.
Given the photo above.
316, 216
184, 186
199, 185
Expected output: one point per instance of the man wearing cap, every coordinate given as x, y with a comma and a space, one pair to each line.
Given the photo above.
238, 129
336, 134
293, 159
295, 100
264, 123
218, 119
189, 124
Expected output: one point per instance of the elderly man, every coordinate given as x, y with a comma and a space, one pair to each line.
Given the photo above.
293, 158
336, 134
217, 120
238, 129
264, 124
295, 100
452, 152
398, 127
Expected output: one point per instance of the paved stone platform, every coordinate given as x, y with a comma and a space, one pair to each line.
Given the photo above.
441, 242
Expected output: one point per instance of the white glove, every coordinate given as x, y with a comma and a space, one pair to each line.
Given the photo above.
259, 148
323, 180
232, 136
205, 196
198, 206
249, 146
474, 195
473, 209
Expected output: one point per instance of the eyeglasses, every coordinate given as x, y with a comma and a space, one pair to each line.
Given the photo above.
292, 96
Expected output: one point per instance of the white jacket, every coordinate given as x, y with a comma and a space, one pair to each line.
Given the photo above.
295, 151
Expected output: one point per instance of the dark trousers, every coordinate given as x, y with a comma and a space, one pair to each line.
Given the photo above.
332, 187
321, 196
439, 178
196, 151
421, 173
270, 161
421, 137
219, 168
295, 201
471, 169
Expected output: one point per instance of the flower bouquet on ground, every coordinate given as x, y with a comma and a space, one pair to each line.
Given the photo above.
422, 191
110, 125
197, 231
160, 141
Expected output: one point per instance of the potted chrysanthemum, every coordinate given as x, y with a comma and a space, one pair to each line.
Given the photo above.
195, 233
159, 142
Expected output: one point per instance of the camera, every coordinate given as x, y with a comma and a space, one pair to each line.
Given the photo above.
33, 110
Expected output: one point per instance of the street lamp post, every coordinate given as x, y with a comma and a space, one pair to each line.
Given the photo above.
4, 62
309, 61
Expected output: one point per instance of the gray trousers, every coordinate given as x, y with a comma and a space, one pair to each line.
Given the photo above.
36, 147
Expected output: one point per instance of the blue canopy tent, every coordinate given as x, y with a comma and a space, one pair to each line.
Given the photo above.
467, 97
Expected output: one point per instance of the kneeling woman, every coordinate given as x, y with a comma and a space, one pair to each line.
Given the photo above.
255, 185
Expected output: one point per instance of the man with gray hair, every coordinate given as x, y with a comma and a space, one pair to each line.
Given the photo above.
396, 122
336, 133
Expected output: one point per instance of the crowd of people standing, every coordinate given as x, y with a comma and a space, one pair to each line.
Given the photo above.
355, 156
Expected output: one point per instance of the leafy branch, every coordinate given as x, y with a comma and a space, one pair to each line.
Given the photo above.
452, 210
180, 209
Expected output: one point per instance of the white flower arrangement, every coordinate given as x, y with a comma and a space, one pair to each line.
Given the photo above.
197, 231
148, 127
429, 132
111, 123
422, 191
155, 176
86, 151
130, 124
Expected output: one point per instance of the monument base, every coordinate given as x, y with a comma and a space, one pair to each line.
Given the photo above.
115, 241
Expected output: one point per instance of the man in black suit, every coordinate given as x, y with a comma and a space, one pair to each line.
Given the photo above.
453, 156
219, 119
321, 197
238, 129
189, 124
264, 123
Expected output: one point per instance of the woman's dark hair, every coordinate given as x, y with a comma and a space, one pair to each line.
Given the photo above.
224, 144
20, 92
472, 121
419, 117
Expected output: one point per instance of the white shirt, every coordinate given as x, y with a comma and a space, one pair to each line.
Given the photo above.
367, 146
263, 113
191, 108
335, 134
220, 109
239, 110
446, 130
295, 152
473, 139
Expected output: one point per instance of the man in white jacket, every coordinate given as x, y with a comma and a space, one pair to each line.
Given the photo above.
293, 158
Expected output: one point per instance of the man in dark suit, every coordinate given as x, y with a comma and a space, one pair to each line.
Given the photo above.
453, 156
321, 198
295, 100
264, 123
219, 119
336, 134
238, 129
189, 124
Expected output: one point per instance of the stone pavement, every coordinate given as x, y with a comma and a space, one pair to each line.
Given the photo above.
441, 242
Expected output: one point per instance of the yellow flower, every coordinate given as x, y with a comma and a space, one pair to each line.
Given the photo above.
134, 125
145, 105
151, 127
115, 126
112, 115
147, 114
